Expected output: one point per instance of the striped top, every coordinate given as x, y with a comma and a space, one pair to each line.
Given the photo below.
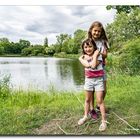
96, 72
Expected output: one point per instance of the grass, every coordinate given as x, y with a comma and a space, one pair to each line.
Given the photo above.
57, 113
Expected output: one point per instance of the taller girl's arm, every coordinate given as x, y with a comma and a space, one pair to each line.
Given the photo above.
94, 63
84, 62
106, 47
104, 53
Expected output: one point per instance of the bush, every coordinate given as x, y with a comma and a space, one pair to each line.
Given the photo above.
5, 86
129, 59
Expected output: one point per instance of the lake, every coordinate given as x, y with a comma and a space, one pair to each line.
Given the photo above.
43, 73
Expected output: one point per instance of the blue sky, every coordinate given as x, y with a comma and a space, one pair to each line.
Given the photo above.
34, 23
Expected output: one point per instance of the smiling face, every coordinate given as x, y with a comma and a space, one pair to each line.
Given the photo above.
88, 49
96, 32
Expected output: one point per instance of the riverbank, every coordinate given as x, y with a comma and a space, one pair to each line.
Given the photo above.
57, 113
58, 55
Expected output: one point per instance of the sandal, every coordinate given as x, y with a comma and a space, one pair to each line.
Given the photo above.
82, 120
103, 126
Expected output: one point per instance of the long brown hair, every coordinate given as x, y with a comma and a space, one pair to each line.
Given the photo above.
103, 34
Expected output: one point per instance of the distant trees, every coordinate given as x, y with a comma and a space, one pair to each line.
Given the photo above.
46, 42
79, 36
65, 44
23, 47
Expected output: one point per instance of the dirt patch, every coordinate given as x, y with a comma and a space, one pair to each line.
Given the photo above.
67, 126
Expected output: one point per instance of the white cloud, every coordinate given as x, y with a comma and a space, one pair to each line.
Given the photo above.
34, 23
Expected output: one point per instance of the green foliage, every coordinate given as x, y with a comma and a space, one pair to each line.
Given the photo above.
26, 51
65, 43
46, 42
62, 43
79, 36
123, 8
1, 49
125, 27
5, 86
35, 50
24, 43
50, 50
129, 57
7, 47
61, 54
71, 48
4, 39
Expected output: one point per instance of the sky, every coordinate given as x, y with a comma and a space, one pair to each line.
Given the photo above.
35, 23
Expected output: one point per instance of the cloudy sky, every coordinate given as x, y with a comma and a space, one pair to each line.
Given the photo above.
34, 23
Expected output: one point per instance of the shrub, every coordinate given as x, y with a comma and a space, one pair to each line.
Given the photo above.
5, 86
129, 59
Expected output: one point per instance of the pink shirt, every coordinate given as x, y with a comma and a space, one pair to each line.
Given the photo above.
96, 72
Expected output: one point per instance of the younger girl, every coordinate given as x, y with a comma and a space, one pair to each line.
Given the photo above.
97, 33
92, 61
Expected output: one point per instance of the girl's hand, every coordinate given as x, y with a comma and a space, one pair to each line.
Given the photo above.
86, 57
81, 57
104, 54
96, 53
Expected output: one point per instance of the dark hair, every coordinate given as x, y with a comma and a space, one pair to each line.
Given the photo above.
103, 34
87, 42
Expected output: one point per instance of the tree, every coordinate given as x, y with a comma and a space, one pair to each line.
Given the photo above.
46, 42
4, 45
4, 39
60, 41
79, 36
50, 50
125, 27
123, 8
24, 43
1, 49
26, 51
71, 47
65, 45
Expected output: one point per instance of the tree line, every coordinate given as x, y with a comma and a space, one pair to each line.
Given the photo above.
64, 44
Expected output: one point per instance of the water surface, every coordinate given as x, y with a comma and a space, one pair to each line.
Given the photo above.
43, 73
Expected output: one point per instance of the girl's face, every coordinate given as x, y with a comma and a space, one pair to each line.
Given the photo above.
96, 32
88, 49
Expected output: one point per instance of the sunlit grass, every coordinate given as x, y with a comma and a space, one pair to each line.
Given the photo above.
24, 112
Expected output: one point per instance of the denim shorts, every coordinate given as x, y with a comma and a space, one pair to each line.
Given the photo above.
94, 84
105, 76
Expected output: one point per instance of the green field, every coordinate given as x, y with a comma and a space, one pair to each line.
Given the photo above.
57, 113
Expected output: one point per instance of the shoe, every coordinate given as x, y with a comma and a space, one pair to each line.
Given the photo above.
93, 114
103, 126
97, 109
82, 120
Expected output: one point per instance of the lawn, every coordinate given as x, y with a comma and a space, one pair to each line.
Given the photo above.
57, 113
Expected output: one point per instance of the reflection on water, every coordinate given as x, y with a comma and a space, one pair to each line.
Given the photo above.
43, 73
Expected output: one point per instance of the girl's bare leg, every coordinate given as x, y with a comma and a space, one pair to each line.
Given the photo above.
100, 102
86, 107
92, 101
88, 96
